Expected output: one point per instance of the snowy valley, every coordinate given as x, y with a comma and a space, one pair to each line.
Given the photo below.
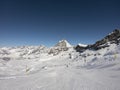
63, 66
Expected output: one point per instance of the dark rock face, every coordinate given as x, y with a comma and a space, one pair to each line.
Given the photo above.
79, 48
113, 37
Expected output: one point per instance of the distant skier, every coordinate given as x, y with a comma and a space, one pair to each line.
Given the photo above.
115, 56
27, 69
85, 59
70, 56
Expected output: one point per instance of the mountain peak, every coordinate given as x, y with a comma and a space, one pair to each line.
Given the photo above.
63, 43
113, 37
116, 31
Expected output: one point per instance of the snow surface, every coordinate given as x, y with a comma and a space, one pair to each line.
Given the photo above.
82, 45
33, 68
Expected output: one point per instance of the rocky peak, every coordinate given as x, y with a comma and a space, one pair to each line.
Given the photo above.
63, 44
113, 37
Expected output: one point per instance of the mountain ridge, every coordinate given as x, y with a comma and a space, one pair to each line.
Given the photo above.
64, 45
113, 37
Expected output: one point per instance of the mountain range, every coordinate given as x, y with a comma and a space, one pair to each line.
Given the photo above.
63, 66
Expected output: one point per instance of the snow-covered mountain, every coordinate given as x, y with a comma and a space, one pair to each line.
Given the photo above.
23, 52
63, 66
113, 37
63, 44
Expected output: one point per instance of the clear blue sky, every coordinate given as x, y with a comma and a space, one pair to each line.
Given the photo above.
36, 22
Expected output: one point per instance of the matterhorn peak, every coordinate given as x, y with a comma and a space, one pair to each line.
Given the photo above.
63, 43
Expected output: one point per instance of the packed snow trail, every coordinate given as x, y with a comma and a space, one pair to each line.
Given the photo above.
63, 78
68, 70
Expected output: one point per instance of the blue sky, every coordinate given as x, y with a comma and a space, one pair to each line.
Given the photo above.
36, 22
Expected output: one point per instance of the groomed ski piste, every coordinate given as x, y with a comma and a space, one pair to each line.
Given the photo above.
34, 68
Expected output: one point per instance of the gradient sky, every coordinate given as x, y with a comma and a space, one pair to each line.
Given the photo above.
36, 22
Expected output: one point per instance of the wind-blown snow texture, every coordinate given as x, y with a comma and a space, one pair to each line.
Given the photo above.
39, 68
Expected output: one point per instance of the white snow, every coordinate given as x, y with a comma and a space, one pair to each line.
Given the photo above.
82, 45
33, 68
67, 43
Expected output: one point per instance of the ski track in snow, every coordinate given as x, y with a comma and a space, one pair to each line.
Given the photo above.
63, 72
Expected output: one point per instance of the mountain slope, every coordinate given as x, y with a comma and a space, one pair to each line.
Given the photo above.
61, 67
99, 70
113, 37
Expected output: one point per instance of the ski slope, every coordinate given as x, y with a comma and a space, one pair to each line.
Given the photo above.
23, 69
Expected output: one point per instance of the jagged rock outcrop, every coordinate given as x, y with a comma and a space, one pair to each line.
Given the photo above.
81, 47
113, 37
62, 45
